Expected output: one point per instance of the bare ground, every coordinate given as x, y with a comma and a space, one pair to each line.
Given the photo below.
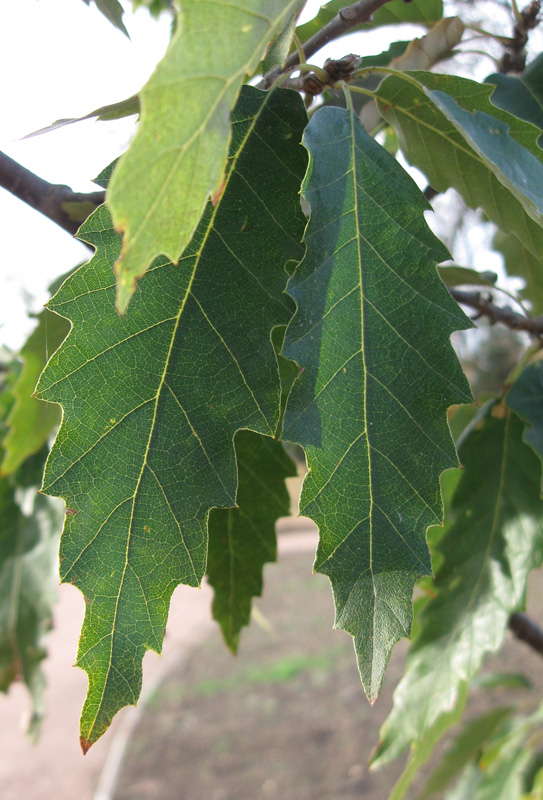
286, 718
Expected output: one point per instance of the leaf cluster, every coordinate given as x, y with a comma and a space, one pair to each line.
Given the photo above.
220, 318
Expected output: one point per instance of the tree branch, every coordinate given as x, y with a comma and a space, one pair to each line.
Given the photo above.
482, 302
514, 58
345, 19
51, 200
527, 631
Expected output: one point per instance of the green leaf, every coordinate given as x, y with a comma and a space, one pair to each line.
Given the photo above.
503, 777
424, 746
124, 108
280, 47
466, 746
152, 400
370, 406
520, 261
242, 539
449, 129
112, 11
28, 583
464, 276
30, 423
525, 398
496, 679
176, 162
521, 95
422, 12
493, 542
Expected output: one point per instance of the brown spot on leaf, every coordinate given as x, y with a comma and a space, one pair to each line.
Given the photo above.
218, 194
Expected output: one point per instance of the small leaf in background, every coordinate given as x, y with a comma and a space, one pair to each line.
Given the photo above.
280, 48
112, 11
422, 12
124, 108
30, 422
464, 276
466, 746
177, 159
493, 541
502, 770
370, 405
28, 588
520, 261
525, 398
521, 95
242, 539
422, 54
425, 744
152, 400
507, 680
449, 129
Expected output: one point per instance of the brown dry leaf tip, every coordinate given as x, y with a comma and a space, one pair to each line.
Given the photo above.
218, 194
85, 745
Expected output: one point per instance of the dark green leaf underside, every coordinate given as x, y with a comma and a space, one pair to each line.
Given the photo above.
242, 539
370, 405
152, 400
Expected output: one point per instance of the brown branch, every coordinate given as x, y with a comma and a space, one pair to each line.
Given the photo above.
48, 198
346, 19
482, 302
514, 58
527, 631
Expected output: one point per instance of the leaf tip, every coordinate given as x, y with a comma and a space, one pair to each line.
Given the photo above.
85, 745
126, 286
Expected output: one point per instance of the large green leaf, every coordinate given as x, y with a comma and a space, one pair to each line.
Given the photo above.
152, 400
520, 261
423, 12
495, 539
176, 162
30, 422
242, 539
449, 129
370, 405
28, 580
464, 276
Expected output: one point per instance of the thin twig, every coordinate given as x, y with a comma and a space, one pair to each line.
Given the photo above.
482, 303
527, 631
48, 198
346, 19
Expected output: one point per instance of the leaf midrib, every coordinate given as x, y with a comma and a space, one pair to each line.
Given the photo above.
365, 389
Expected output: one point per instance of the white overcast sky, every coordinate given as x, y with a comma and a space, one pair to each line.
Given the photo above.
61, 58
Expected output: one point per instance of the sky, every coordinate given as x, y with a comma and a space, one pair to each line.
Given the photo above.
63, 59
